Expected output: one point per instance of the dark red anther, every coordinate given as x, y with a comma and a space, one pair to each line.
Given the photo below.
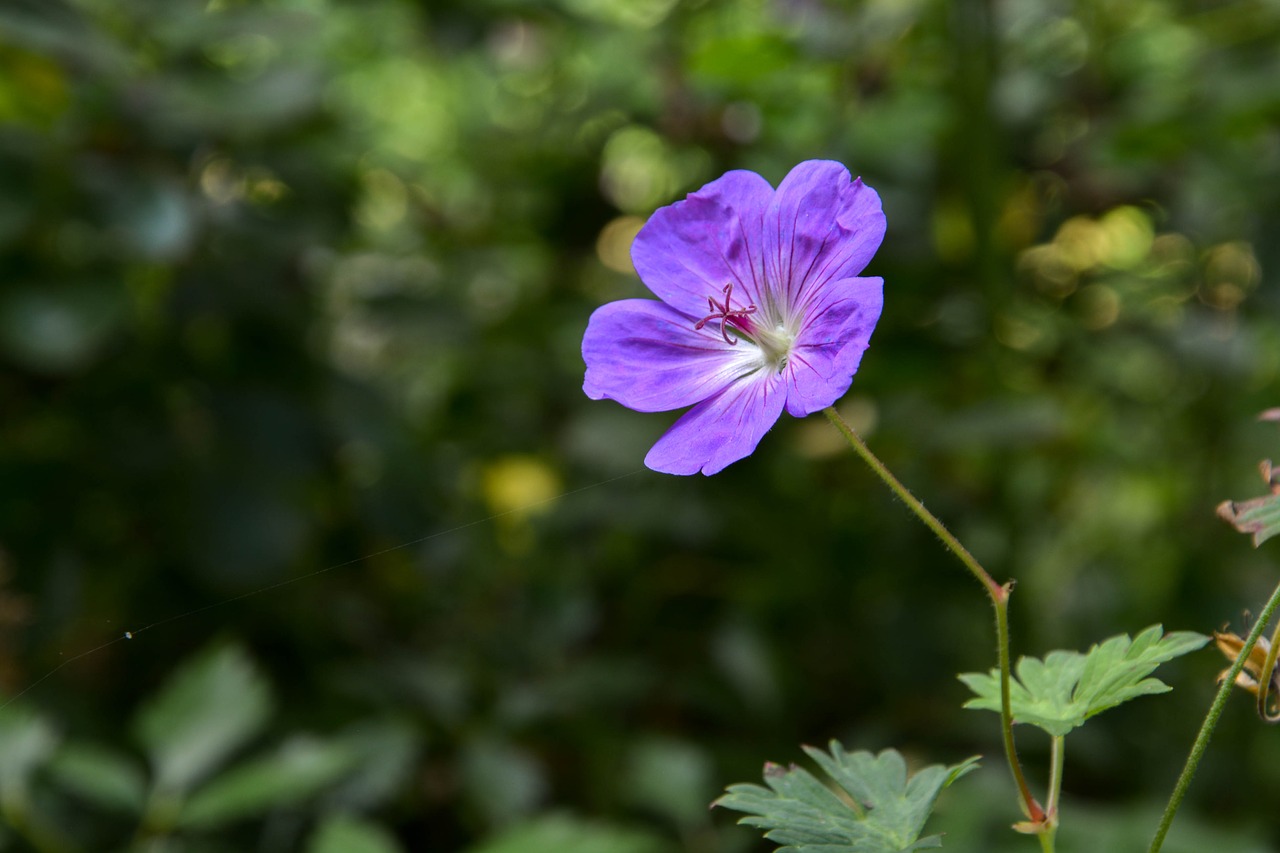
725, 314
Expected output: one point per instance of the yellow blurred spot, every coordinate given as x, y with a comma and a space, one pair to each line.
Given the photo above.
519, 484
264, 188
1129, 235
1100, 306
1051, 272
640, 170
1121, 239
1230, 272
861, 413
1223, 295
220, 182
1082, 243
1172, 255
613, 246
816, 437
1016, 332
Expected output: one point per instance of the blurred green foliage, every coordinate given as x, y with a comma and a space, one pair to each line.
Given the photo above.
287, 284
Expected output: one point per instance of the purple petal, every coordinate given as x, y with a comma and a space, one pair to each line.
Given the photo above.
820, 227
690, 250
829, 348
647, 356
720, 431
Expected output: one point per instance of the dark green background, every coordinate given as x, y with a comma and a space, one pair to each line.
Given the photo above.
287, 284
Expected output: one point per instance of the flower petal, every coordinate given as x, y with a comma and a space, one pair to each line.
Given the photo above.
690, 250
720, 431
648, 357
829, 348
820, 227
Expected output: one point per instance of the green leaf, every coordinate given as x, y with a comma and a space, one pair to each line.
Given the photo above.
873, 807
26, 742
670, 778
59, 329
213, 705
345, 834
101, 776
299, 770
1060, 692
387, 752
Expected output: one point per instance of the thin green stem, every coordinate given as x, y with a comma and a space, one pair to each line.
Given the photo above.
998, 593
1049, 835
952, 543
1000, 601
1057, 750
1211, 721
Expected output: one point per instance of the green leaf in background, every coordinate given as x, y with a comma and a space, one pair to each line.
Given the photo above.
101, 776
213, 705
671, 778
297, 771
386, 752
26, 741
1066, 688
875, 807
346, 834
58, 329
503, 780
564, 834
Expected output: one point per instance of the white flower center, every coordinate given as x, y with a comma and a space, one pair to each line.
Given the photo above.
775, 345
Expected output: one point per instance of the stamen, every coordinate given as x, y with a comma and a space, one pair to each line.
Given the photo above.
725, 313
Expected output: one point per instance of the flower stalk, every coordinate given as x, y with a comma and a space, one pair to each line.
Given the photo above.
1041, 823
1048, 835
1211, 721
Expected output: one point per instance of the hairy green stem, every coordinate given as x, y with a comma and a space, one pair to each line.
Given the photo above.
1211, 721
999, 594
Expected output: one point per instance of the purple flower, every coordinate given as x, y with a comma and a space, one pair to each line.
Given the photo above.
762, 309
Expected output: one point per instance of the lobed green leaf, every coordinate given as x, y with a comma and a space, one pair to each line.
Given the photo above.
1060, 692
871, 805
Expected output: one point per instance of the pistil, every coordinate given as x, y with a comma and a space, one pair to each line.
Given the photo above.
726, 314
